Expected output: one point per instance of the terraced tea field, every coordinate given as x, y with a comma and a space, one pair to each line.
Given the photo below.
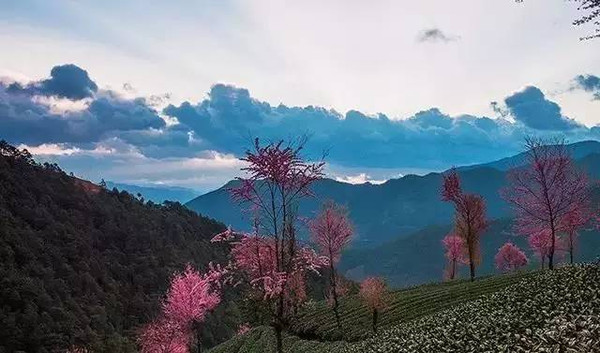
440, 312
402, 306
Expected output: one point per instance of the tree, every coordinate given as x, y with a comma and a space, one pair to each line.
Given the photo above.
546, 190
332, 231
271, 259
510, 258
455, 254
573, 221
591, 9
469, 217
372, 292
190, 297
540, 243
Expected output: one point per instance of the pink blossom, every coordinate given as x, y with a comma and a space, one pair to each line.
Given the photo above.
165, 336
331, 231
545, 191
243, 329
372, 290
510, 258
469, 217
455, 254
191, 296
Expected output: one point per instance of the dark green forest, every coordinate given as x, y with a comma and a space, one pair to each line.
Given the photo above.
81, 265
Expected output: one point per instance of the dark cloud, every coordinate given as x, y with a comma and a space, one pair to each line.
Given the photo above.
229, 118
66, 81
531, 108
23, 119
589, 83
434, 35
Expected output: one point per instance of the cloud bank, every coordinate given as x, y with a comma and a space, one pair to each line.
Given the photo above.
100, 133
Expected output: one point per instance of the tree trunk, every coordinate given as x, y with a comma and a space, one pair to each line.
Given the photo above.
472, 268
335, 297
552, 247
543, 261
571, 248
571, 256
375, 313
278, 338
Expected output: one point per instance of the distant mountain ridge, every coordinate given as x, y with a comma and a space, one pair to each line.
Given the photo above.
157, 193
398, 207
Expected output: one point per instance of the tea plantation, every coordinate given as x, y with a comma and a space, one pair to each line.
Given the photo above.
549, 311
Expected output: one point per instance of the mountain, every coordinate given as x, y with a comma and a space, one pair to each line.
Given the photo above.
419, 258
82, 265
577, 150
157, 194
398, 207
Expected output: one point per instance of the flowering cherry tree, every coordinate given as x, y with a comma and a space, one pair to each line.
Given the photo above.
469, 217
546, 191
571, 223
510, 258
540, 242
455, 254
372, 291
332, 231
190, 297
271, 259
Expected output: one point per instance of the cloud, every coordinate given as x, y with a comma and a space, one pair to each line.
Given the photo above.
42, 112
434, 35
229, 117
531, 107
361, 178
66, 81
589, 83
112, 136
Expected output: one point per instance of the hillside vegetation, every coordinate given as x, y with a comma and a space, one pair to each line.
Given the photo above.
85, 266
548, 311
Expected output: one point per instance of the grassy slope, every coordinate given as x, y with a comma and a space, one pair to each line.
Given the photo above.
544, 311
318, 322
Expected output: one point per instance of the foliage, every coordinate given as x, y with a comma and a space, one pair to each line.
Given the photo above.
546, 191
540, 311
550, 312
372, 291
270, 258
332, 231
455, 254
86, 267
190, 297
510, 258
318, 322
469, 217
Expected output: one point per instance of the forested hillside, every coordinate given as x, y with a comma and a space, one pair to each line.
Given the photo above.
85, 266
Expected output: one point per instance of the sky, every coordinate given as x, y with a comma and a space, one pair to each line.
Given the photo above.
172, 93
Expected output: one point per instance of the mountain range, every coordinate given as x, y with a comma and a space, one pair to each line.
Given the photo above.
399, 207
155, 193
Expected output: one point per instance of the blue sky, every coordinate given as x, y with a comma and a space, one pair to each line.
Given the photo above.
172, 92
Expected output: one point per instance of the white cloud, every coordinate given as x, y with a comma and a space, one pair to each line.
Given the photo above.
62, 105
359, 179
346, 55
50, 149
